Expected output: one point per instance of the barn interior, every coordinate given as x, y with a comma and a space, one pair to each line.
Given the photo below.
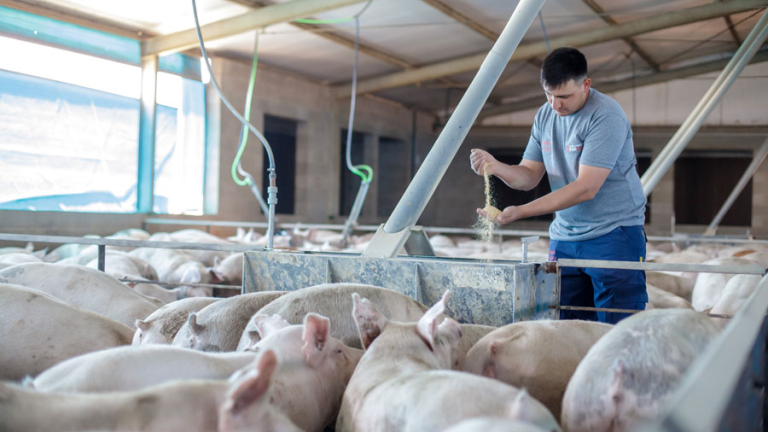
328, 141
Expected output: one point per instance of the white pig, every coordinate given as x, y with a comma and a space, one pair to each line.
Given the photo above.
735, 294
219, 326
189, 406
470, 334
206, 257
38, 331
661, 299
398, 385
162, 325
130, 368
709, 286
335, 301
677, 285
83, 287
540, 356
18, 258
176, 266
230, 269
629, 374
494, 424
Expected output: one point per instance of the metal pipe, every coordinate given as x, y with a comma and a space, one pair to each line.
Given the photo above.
128, 243
356, 208
425, 182
630, 311
536, 49
176, 284
754, 269
272, 201
102, 258
715, 93
748, 174
255, 19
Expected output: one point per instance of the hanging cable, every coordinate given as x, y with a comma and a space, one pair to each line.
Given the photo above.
544, 32
272, 189
243, 142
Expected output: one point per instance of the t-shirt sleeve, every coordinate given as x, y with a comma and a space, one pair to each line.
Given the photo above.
603, 144
533, 150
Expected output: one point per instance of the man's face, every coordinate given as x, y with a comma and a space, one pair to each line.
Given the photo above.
569, 97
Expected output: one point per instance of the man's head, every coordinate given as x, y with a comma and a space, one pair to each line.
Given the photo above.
565, 82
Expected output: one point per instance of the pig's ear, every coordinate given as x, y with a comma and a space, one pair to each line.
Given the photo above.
193, 325
522, 407
370, 322
41, 253
427, 326
191, 275
266, 324
317, 331
216, 276
142, 325
254, 386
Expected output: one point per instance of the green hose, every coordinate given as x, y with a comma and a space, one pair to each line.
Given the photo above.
247, 114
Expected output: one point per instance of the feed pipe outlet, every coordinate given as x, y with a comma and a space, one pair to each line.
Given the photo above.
425, 181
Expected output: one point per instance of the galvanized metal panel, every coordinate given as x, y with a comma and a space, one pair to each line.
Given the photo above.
482, 292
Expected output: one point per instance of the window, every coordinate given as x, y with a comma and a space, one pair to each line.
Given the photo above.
69, 121
179, 145
699, 193
281, 135
350, 182
506, 196
69, 134
393, 174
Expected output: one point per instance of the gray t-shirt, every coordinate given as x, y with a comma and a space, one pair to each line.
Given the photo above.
597, 135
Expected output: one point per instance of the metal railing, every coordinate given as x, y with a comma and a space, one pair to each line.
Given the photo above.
102, 243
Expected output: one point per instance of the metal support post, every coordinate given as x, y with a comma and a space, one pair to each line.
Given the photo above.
102, 257
715, 93
525, 242
748, 174
420, 190
356, 208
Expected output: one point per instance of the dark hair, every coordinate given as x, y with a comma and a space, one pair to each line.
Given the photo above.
562, 65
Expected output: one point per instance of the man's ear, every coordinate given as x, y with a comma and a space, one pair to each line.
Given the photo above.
587, 84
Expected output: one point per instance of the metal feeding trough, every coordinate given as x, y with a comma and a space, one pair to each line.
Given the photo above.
483, 292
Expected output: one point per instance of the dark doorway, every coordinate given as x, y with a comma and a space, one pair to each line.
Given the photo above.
643, 163
350, 182
506, 196
703, 181
393, 173
281, 134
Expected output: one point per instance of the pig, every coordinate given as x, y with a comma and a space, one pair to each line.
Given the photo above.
709, 286
130, 368
206, 257
758, 257
83, 287
470, 334
310, 355
176, 266
156, 291
335, 301
629, 374
441, 241
494, 424
219, 326
673, 284
735, 294
18, 258
190, 406
37, 331
230, 269
162, 325
539, 356
401, 383
661, 299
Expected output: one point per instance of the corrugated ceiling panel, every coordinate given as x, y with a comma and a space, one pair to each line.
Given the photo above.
627, 10
303, 53
677, 44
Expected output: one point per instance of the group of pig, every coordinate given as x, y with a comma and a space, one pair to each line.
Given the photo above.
340, 356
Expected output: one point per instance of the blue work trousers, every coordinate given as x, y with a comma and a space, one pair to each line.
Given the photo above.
603, 288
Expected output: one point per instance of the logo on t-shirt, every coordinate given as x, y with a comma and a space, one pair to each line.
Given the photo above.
546, 146
575, 148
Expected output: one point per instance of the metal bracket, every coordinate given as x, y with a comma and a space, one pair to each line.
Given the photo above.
385, 245
526, 241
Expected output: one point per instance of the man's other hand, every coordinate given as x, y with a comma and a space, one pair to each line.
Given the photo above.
478, 158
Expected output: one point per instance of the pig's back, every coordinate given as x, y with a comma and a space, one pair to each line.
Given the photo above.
335, 302
37, 331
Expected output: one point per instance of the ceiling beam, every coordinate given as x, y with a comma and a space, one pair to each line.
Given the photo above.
596, 8
530, 50
732, 29
272, 14
624, 84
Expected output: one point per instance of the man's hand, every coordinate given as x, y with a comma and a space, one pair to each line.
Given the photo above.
510, 214
478, 158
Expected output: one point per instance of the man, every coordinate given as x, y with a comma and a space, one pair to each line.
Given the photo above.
583, 141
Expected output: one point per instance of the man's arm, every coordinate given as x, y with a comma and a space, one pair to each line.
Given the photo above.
521, 177
584, 188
